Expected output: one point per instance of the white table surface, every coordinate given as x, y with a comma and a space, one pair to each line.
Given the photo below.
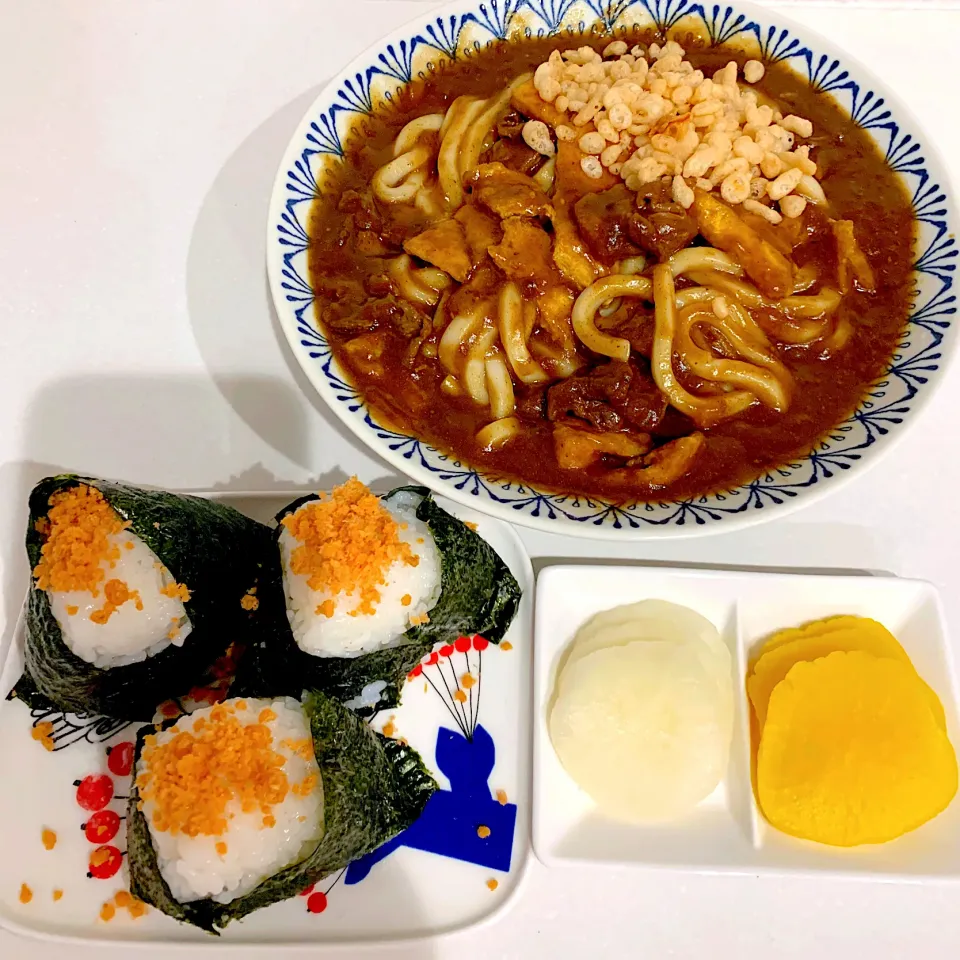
138, 144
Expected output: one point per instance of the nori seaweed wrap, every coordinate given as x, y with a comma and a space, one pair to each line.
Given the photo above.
208, 556
371, 788
477, 595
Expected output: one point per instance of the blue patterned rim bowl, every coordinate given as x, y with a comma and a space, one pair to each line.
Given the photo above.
890, 405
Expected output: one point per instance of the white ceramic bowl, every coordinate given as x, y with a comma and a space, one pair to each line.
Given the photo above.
891, 405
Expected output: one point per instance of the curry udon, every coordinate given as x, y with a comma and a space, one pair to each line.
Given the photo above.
635, 272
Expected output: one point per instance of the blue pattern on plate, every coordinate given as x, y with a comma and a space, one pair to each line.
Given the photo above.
462, 29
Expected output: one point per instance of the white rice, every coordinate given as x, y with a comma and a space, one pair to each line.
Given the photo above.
129, 635
343, 635
192, 867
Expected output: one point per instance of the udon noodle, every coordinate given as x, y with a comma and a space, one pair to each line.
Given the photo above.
599, 273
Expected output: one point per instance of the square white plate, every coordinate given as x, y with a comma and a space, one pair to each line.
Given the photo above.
727, 833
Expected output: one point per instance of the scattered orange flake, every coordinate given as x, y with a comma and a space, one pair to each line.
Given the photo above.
420, 619
406, 600
302, 819
459, 696
483, 832
492, 884
80, 523
57, 894
425, 687
502, 797
43, 732
123, 898
471, 525
239, 705
107, 912
117, 593
326, 608
26, 894
389, 728
467, 681
347, 542
506, 645
404, 741
176, 591
129, 545
191, 778
266, 715
49, 839
137, 908
42, 525
419, 539
169, 709
305, 786
249, 602
72, 610
270, 821
221, 848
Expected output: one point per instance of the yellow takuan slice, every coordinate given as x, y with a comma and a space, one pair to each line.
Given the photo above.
809, 629
852, 753
818, 639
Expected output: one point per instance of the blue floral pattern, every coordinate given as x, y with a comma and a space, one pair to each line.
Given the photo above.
459, 30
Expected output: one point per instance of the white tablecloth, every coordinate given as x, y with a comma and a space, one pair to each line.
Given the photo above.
138, 144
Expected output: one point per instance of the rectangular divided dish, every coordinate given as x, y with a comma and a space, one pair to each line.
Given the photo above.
727, 832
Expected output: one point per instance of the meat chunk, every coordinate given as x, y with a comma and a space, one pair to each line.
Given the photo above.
664, 465
445, 246
720, 225
481, 289
576, 448
525, 251
369, 244
508, 193
364, 353
569, 175
515, 155
532, 404
510, 125
610, 396
569, 251
482, 230
393, 312
633, 322
364, 216
852, 264
604, 222
527, 101
346, 318
661, 226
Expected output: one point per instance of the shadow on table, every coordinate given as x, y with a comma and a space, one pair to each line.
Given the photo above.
228, 296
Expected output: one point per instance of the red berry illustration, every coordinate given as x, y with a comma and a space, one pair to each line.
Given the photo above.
431, 660
446, 650
102, 827
94, 792
462, 644
480, 643
105, 862
308, 891
317, 902
120, 758
415, 672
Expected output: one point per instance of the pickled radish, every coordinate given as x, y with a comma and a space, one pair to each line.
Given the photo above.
643, 711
